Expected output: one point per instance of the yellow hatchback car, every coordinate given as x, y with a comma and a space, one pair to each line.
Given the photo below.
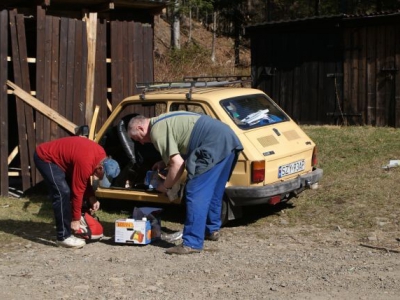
278, 162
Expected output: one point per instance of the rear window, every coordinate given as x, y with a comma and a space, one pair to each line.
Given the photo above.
253, 111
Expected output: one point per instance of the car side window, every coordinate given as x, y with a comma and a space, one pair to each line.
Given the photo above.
187, 107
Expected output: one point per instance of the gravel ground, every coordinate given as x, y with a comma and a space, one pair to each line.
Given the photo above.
248, 262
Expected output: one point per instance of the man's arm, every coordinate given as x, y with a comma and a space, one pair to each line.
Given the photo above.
176, 167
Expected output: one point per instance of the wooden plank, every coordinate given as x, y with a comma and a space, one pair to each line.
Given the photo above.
347, 79
4, 181
352, 104
12, 155
54, 75
40, 66
84, 62
138, 56
131, 51
362, 69
371, 75
100, 91
43, 108
148, 48
47, 75
125, 59
92, 128
91, 31
313, 100
380, 80
397, 77
63, 102
25, 81
69, 103
116, 55
390, 73
77, 109
22, 130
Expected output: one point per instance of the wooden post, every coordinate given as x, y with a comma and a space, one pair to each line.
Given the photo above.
4, 181
91, 30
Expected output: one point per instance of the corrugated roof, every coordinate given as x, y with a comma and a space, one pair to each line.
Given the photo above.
87, 3
327, 18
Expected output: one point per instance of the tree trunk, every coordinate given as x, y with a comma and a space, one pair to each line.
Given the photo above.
237, 27
190, 25
175, 34
214, 36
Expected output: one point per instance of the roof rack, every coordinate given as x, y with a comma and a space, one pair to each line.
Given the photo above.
191, 82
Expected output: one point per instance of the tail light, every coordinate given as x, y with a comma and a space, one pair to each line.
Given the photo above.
257, 171
314, 159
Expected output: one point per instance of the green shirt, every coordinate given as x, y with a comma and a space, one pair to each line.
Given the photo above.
171, 135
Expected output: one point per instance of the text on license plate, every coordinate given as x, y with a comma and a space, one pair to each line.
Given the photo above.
291, 168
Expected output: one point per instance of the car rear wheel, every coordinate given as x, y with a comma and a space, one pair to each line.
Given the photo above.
225, 211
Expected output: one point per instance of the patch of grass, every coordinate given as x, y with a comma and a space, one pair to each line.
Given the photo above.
355, 192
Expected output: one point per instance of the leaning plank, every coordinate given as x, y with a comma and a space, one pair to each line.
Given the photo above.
25, 84
93, 122
43, 108
12, 155
19, 68
91, 30
4, 181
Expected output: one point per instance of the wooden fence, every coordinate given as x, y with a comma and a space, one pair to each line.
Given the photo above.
72, 66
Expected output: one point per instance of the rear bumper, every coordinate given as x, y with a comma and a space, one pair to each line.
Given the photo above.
244, 195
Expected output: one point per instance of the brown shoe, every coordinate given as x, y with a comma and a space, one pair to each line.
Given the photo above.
213, 236
182, 249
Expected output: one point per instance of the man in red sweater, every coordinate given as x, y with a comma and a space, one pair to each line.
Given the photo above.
66, 165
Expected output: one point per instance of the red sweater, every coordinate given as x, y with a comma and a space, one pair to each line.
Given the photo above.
78, 158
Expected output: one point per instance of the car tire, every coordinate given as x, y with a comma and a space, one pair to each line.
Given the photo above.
225, 211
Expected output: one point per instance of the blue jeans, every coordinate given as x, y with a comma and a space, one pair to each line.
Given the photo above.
204, 195
59, 192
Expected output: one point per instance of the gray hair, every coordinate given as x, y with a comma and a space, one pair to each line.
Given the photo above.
134, 122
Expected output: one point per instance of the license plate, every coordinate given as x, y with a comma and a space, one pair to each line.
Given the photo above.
291, 168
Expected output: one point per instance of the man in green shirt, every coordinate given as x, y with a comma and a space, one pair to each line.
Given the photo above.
208, 149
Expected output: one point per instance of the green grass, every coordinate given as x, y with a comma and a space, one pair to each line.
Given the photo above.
355, 192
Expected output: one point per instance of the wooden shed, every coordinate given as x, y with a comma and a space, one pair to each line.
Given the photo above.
331, 69
78, 58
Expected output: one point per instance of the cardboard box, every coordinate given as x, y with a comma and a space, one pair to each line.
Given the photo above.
131, 231
152, 215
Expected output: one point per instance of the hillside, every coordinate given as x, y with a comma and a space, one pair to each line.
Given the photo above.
195, 59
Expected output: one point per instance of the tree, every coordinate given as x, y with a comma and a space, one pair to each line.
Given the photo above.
176, 26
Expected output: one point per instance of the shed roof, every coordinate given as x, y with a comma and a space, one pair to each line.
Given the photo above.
86, 3
327, 19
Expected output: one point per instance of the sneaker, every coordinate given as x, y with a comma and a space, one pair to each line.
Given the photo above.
213, 236
72, 242
172, 237
182, 249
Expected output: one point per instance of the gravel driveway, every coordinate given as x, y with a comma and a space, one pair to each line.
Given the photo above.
249, 262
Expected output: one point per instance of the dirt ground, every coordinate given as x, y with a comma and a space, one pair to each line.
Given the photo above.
252, 260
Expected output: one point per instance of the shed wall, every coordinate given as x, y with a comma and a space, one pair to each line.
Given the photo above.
50, 57
342, 72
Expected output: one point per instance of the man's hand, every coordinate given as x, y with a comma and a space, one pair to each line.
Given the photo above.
75, 225
160, 165
94, 204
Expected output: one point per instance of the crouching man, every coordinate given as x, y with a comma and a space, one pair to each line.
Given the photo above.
66, 165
